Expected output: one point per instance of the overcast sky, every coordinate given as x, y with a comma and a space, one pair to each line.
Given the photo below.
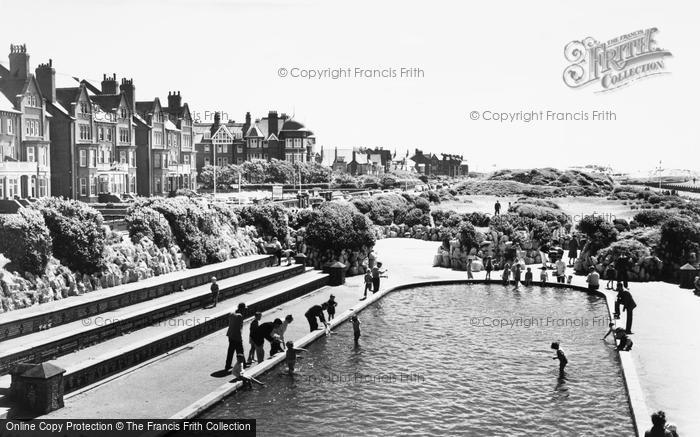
499, 56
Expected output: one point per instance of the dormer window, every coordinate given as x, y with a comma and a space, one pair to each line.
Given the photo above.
122, 112
84, 107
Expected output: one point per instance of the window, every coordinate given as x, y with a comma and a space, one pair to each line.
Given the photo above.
93, 158
42, 187
85, 132
207, 162
30, 154
207, 135
83, 187
165, 161
101, 133
101, 157
109, 134
122, 113
239, 149
207, 148
156, 160
93, 186
132, 159
158, 138
10, 126
187, 158
42, 156
122, 157
132, 184
83, 158
84, 108
123, 135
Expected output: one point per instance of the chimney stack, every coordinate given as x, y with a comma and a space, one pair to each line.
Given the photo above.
272, 125
19, 61
46, 77
129, 90
174, 100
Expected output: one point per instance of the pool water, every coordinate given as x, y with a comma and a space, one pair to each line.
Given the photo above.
448, 360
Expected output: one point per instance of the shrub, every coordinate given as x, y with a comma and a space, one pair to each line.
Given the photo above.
467, 236
679, 237
600, 233
544, 213
269, 219
25, 240
388, 181
147, 222
300, 218
337, 225
440, 216
478, 218
621, 225
422, 204
629, 247
77, 233
416, 217
381, 214
652, 217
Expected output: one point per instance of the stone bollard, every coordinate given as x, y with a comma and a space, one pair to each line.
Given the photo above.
39, 388
687, 274
337, 274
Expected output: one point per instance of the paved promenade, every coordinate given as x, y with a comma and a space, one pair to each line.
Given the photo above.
665, 353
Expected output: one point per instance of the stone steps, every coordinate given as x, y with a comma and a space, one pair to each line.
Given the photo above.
51, 314
96, 363
60, 340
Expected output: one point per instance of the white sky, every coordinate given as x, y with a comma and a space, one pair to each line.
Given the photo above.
499, 55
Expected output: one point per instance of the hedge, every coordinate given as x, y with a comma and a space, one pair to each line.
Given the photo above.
25, 240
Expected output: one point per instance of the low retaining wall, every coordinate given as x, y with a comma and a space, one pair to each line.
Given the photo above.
119, 297
96, 334
637, 403
79, 377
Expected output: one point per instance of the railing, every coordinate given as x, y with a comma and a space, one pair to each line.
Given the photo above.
669, 186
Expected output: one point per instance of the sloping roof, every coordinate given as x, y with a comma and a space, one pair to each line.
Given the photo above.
361, 158
145, 107
293, 125
169, 125
108, 102
59, 108
254, 132
6, 105
67, 96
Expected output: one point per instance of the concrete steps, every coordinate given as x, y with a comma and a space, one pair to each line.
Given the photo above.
51, 314
46, 345
89, 366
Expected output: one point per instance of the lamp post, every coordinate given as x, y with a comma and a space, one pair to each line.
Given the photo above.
214, 147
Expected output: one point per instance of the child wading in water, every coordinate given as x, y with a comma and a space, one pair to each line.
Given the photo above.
356, 329
488, 267
561, 356
291, 358
331, 307
544, 276
528, 277
506, 273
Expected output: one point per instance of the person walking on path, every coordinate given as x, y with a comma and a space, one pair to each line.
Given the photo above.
497, 208
368, 283
560, 273
214, 292
235, 336
376, 276
621, 265
315, 312
488, 266
253, 328
573, 250
593, 279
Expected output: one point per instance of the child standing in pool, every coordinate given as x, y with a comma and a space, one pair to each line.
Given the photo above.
506, 273
368, 283
544, 276
561, 356
355, 328
291, 357
528, 277
331, 307
488, 267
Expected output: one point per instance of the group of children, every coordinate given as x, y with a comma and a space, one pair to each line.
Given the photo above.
516, 270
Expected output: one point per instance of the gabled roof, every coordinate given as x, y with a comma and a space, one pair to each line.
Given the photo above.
12, 87
169, 125
223, 133
254, 132
272, 137
67, 96
108, 102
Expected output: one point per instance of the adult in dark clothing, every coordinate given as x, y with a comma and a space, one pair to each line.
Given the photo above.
253, 327
573, 250
314, 312
264, 332
497, 208
376, 276
275, 340
658, 427
621, 265
628, 302
235, 335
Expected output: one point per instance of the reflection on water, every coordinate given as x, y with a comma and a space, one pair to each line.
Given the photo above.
429, 363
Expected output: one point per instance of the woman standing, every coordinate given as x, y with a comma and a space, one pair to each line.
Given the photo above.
573, 250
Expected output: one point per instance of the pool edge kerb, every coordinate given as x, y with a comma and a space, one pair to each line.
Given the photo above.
635, 396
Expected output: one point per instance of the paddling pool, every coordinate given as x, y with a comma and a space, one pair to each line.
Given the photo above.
452, 359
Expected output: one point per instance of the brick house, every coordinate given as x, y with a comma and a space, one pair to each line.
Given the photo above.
25, 147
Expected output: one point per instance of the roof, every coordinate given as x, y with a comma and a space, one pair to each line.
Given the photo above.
43, 371
360, 158
293, 125
145, 107
6, 105
108, 102
169, 125
66, 96
254, 132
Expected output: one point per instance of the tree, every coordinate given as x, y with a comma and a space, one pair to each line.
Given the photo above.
337, 226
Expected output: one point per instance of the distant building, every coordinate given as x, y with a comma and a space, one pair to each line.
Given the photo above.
25, 147
431, 165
